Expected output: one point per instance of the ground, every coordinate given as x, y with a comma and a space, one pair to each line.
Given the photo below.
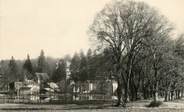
139, 106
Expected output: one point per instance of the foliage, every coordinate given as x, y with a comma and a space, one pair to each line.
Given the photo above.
59, 72
155, 104
74, 67
42, 65
28, 68
134, 33
134, 47
13, 74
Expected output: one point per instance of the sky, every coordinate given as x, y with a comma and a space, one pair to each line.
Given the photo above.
59, 27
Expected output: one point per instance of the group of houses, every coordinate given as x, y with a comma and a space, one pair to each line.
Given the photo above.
41, 89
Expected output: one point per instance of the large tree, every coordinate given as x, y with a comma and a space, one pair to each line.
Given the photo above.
125, 27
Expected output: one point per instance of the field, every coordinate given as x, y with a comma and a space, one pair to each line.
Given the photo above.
177, 106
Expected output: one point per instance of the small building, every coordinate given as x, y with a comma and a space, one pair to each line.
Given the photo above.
30, 89
94, 89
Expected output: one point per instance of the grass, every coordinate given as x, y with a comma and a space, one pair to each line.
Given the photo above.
138, 106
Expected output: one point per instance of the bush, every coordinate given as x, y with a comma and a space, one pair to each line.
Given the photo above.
155, 104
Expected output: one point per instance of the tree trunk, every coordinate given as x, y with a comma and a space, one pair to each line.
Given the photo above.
135, 94
155, 96
132, 90
129, 72
126, 91
166, 96
182, 93
169, 95
178, 94
119, 92
156, 91
172, 95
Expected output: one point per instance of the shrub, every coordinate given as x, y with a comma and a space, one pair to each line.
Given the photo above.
155, 104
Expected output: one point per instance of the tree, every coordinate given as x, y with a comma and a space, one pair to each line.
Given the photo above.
89, 54
28, 68
13, 74
3, 67
101, 65
98, 65
60, 71
159, 47
74, 67
42, 65
83, 68
125, 27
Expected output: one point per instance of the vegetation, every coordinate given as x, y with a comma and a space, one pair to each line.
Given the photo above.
139, 40
155, 104
134, 46
60, 71
28, 68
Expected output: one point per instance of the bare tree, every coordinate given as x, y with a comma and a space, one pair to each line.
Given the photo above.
125, 27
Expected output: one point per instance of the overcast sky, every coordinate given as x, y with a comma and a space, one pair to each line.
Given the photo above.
59, 26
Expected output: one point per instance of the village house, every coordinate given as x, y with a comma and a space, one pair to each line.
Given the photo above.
34, 90
94, 89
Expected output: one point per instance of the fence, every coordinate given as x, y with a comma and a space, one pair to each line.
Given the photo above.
57, 98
